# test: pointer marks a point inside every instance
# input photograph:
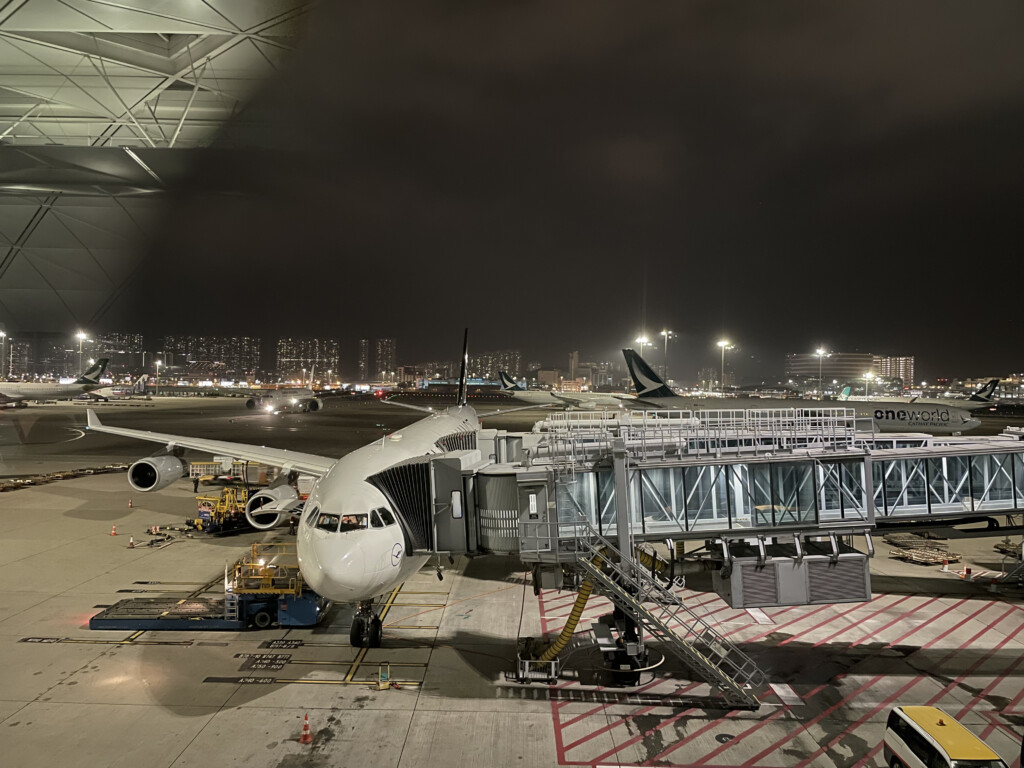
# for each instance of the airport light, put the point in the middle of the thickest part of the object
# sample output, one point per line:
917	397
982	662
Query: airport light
641	340
157	388
3	340
81	337
724	345
668	335
867	383
821	352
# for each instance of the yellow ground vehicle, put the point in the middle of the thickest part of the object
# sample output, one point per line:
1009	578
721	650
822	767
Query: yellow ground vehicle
928	737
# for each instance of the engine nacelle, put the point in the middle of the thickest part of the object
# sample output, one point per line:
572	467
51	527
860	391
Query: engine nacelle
315	405
155	472
251	403
271	506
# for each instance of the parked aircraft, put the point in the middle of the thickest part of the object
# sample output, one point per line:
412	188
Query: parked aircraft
981	399
582	400
652	392
354	542
15	393
138	389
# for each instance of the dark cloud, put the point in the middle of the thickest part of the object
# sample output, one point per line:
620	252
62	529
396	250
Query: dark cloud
787	174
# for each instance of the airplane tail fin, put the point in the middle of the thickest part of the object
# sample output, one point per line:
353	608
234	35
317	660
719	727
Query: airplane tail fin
985	393
508	384
92	376
139	387
463	389
647	382
845	394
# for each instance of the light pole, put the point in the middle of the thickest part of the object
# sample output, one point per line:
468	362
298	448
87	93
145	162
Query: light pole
3	340
668	335
156	393
81	337
821	352
641	340
867	383
724	345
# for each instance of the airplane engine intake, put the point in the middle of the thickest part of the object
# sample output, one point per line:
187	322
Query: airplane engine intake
251	403
155	472
315	404
271	507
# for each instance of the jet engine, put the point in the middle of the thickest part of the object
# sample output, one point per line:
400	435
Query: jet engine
155	472
251	403
271	506
314	405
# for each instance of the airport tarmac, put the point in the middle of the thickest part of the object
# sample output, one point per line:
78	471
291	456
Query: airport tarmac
71	696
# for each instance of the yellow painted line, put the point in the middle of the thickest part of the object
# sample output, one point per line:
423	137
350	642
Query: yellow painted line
127	642
409	626
418	605
134	635
362	651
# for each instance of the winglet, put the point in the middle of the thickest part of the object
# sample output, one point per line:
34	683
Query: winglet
93	420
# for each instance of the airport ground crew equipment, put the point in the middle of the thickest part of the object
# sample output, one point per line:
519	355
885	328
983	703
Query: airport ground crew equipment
262	589
221	512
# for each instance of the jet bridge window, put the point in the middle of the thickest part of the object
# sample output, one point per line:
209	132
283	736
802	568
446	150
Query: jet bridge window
352	523
327	522
381	518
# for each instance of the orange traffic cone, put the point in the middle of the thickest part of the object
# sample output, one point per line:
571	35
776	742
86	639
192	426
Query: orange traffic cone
113	530
306	737
131	542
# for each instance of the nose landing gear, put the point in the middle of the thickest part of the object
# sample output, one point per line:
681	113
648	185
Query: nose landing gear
367	627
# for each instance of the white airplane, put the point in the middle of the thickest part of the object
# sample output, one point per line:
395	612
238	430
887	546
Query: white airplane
137	389
587	401
978	400
353	542
15	393
652	392
276	401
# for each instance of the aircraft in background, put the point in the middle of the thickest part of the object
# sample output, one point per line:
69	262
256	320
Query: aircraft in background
276	401
15	393
355	541
652	392
587	401
138	389
982	398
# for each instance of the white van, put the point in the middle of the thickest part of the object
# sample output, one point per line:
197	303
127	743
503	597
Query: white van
928	737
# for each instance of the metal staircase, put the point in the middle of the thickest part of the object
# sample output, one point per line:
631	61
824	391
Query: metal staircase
679	630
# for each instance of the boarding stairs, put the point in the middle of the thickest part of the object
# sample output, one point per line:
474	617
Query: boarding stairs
663	615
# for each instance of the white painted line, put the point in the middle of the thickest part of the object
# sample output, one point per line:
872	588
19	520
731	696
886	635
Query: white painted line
759	616
786	694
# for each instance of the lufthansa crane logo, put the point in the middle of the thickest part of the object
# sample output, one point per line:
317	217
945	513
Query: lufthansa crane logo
396	554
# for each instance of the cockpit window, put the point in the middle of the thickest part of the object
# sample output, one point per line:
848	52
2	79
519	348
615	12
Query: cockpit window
327	522
353	522
309	515
382	517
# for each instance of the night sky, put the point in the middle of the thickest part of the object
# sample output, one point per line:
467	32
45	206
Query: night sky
558	176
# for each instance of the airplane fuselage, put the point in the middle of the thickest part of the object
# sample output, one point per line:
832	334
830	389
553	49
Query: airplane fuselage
356	565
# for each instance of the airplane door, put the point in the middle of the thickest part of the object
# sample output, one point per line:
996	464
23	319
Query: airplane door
537	528
451	506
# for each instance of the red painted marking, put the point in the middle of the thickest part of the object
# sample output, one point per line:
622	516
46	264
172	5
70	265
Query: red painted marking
833	618
950	686
869	616
1004	674
639	737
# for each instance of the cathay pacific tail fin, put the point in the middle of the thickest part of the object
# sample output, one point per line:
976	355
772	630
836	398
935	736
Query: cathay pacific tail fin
92	376
648	383
508	384
986	392
463	389
845	394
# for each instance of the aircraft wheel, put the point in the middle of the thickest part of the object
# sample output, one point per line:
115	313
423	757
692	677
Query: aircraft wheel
357	633
374	633
261	619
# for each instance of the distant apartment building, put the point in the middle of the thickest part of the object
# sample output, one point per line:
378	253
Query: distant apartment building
486	365
893	368
297	358
123	350
364	360
236	356
840	367
384	362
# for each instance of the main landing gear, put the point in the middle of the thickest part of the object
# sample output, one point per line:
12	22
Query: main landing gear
366	627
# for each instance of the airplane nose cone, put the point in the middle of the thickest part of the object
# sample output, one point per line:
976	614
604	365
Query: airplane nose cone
334	567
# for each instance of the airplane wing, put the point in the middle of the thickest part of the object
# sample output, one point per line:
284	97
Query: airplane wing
302	462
